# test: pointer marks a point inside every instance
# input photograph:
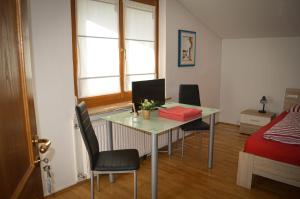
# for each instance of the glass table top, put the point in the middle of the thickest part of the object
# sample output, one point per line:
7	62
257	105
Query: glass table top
156	124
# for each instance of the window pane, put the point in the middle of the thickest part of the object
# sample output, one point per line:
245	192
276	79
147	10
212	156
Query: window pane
139	21
98	47
133	78
97	18
140	57
139	42
98	86
98	57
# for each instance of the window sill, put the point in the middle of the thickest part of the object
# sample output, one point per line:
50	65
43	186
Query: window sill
112	107
109	108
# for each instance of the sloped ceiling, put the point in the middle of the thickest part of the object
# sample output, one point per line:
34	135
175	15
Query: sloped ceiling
248	18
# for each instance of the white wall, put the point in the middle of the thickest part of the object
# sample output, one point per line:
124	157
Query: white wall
53	75
252	68
206	72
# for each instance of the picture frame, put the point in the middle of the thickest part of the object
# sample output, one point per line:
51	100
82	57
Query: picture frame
186	48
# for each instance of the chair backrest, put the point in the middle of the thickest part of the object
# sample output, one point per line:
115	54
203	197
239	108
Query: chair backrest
189	94
88	133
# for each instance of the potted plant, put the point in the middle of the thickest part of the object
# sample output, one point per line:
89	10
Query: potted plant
146	107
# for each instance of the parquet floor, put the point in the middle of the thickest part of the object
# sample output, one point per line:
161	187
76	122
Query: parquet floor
189	177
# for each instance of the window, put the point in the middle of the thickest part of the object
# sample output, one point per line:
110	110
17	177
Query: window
114	43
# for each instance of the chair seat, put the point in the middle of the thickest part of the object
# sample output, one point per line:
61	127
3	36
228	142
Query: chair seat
118	160
195	125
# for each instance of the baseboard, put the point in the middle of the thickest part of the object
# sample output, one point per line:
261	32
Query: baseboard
66	189
229	124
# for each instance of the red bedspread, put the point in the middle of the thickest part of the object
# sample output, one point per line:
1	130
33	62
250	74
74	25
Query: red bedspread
257	145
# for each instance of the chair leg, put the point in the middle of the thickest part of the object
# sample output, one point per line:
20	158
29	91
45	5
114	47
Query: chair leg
182	143
92	185
135	184
98	184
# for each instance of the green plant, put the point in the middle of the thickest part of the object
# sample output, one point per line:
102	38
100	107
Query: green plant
148	105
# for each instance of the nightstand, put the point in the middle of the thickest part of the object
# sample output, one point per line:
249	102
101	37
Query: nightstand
251	120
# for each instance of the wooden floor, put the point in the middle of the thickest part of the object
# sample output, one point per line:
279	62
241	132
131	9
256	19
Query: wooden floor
189	177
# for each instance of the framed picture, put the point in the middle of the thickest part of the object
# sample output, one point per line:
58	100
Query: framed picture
186	48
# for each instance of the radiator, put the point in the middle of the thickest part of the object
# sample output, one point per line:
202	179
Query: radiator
123	138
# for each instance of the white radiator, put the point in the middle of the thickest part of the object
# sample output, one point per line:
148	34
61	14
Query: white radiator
123	138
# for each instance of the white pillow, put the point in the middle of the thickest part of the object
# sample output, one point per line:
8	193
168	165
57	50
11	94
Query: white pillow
295	108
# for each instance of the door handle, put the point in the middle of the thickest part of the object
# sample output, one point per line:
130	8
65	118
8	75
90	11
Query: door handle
44	144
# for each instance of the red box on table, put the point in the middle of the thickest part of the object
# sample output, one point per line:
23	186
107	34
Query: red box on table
180	113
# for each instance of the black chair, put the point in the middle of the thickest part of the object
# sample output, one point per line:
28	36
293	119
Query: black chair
189	94
105	162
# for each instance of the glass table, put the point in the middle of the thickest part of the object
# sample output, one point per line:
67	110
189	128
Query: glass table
156	126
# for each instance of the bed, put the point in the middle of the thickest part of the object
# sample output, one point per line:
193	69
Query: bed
271	159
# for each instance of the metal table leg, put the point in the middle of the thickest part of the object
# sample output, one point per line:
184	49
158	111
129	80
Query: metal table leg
211	141
154	154
170	143
110	146
177	134
92	185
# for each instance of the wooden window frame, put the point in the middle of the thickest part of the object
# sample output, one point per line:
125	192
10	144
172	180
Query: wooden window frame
123	95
